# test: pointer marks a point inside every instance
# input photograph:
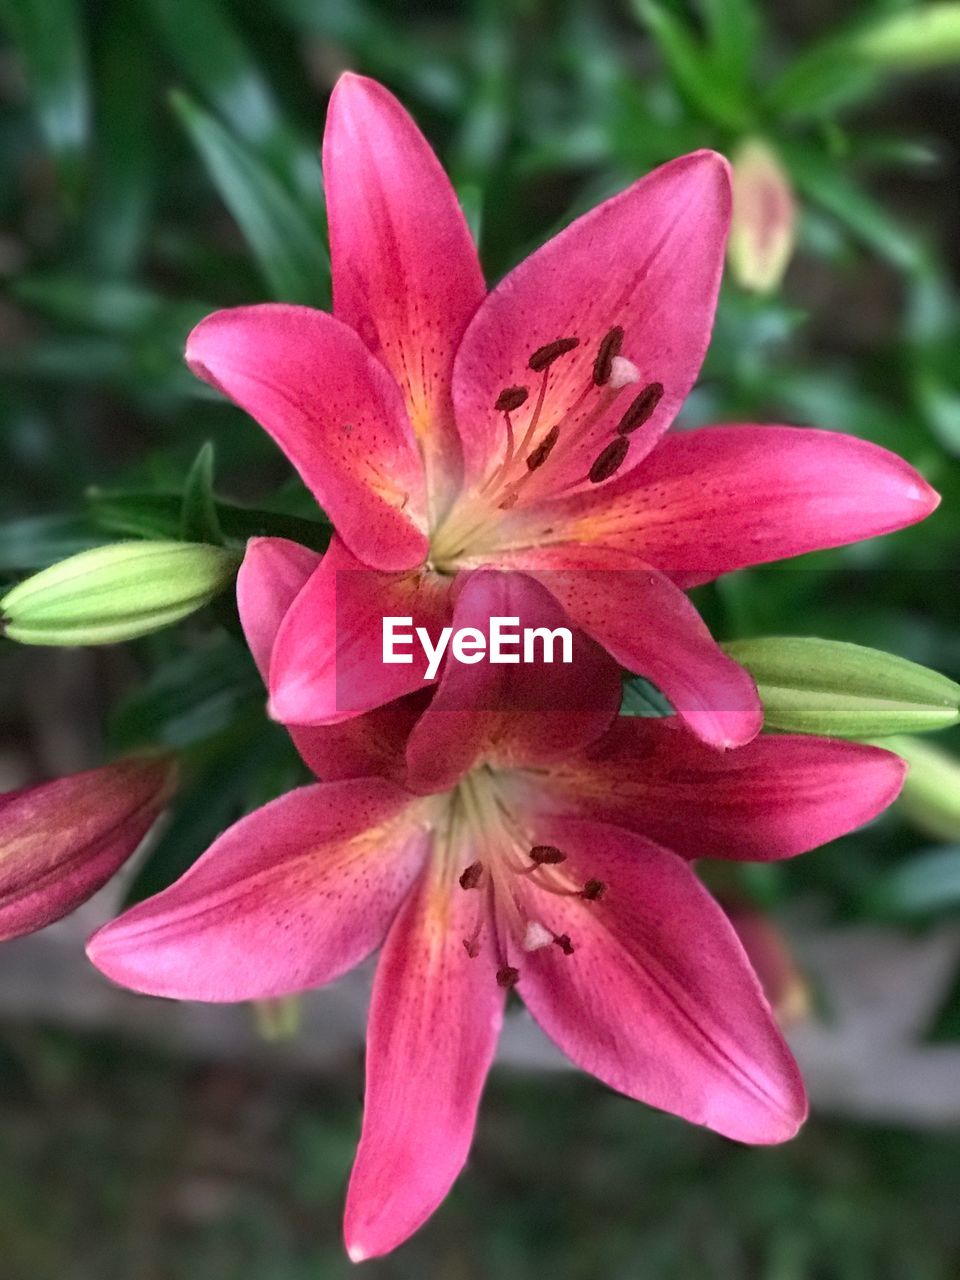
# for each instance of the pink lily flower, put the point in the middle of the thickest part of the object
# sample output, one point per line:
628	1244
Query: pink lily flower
562	870
61	841
445	428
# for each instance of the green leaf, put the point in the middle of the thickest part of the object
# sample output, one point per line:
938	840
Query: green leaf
823	181
848	67
691	67
734	29
189	700
204	42
946	1023
920	36
641	698
211	798
198	516
287	246
390	41
157	515
821	82
927	884
111	331
50	42
125	154
38	541
109	306
208	49
809	685
141	515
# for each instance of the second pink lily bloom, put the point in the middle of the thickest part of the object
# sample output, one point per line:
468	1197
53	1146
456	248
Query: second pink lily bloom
515	848
444	428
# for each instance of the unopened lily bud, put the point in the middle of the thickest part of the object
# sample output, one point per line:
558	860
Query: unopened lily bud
768	950
844	690
278	1018
115	593
924	36
61	841
930	798
762	228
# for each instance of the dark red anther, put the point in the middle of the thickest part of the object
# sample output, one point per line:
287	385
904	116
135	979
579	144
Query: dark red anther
544	356
511	398
538	456
562	940
593	890
546	855
471	876
610	459
641	408
507	976
609	348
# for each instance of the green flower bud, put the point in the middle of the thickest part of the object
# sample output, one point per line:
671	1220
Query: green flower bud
915	37
115	593
844	690
930	798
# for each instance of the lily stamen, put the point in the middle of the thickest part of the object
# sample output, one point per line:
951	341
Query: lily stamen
472	876
641	409
608	350
609	461
547	854
542	452
500	491
511	398
539	936
544	356
507	913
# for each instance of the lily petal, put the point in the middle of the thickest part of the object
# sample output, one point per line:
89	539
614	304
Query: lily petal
658	999
649	625
649	260
709	501
434	1022
333	410
61	841
365	746
773	798
289	897
406	275
327	662
272	574
518	711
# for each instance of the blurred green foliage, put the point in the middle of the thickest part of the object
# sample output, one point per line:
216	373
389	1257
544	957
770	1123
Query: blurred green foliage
160	158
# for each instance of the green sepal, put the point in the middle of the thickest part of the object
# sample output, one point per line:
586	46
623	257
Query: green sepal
199	521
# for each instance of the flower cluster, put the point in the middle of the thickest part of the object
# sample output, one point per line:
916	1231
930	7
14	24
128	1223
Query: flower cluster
502	828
